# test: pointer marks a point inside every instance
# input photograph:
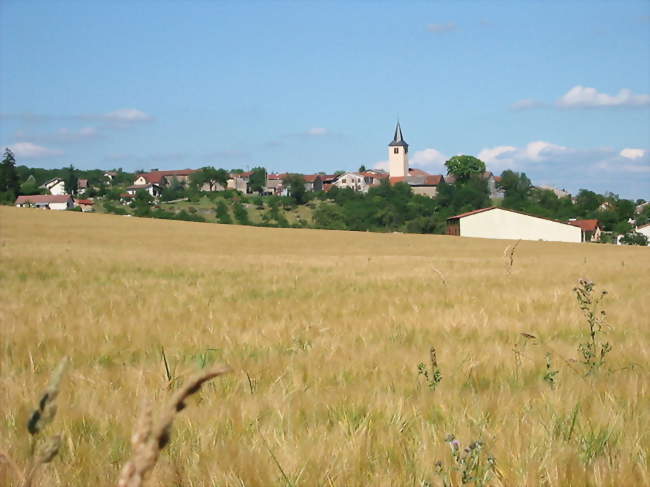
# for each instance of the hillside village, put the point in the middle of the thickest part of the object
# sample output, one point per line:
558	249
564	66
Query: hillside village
467	201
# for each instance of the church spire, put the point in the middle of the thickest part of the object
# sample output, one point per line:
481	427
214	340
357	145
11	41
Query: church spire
398	138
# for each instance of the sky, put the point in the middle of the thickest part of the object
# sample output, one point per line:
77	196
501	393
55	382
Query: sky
559	90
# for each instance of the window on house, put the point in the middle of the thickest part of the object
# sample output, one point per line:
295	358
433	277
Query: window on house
395	150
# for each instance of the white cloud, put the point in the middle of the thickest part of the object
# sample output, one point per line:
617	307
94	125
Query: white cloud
429	159
28	149
584	97
127	115
633	153
317	131
498	157
540	150
441	28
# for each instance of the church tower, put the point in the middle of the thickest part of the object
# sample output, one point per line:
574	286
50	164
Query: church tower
398	155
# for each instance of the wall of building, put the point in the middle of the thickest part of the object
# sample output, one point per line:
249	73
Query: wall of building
61	206
58	188
398	163
430	191
498	223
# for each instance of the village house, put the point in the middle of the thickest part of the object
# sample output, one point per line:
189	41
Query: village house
494	222
591	229
239	181
313	182
153	189
46	201
82	185
164	178
560	193
54	186
352	180
86	205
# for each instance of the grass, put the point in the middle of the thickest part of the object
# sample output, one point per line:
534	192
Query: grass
324	331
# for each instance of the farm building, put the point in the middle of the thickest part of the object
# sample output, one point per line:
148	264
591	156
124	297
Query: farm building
591	229
46	201
494	222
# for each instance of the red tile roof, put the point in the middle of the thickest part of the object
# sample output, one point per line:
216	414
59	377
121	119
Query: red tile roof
417	172
85	202
44	198
433	180
157	176
310	178
396	179
585	225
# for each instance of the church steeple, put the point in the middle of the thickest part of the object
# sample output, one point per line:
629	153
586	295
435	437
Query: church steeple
398	139
398	155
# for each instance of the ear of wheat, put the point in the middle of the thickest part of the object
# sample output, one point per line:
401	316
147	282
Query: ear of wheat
150	437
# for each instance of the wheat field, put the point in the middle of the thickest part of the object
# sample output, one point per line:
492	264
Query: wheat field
324	332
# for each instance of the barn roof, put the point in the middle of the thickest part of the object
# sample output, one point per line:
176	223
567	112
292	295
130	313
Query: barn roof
482	210
44	198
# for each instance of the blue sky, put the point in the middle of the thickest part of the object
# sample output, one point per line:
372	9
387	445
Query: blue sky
559	90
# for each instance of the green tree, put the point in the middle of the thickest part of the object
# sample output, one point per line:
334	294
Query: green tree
463	167
634	238
516	189
70	179
223	215
241	215
210	176
295	183
9	183
30	186
587	202
362	168
142	203
330	216
257	180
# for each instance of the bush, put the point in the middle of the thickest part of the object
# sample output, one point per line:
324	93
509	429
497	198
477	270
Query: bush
223	215
241	215
116	210
188	217
634	238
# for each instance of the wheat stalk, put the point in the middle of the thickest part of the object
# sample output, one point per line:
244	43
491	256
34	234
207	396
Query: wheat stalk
151	437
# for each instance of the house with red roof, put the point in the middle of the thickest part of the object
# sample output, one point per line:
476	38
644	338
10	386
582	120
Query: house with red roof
46	201
164	178
86	205
502	223
591	229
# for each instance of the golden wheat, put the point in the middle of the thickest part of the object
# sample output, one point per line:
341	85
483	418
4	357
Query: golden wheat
324	332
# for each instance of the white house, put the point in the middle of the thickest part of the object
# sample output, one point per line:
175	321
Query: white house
54	186
496	222
153	189
352	180
46	201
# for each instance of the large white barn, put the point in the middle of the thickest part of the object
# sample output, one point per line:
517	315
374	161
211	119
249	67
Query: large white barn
497	222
